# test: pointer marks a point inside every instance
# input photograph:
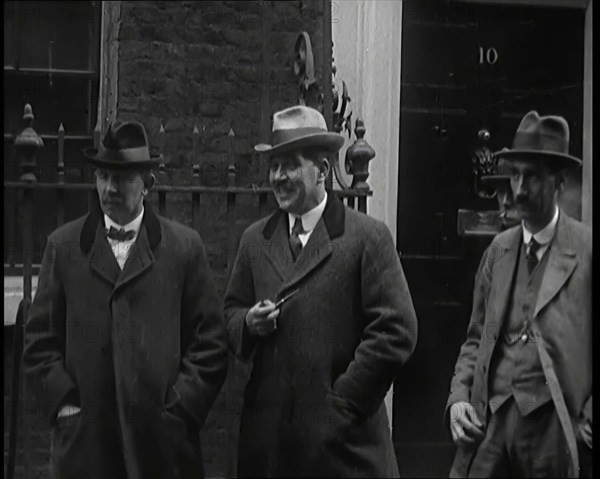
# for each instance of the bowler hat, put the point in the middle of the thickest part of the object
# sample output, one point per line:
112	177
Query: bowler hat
542	138
125	145
300	127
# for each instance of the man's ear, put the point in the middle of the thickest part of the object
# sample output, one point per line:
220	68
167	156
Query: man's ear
561	180
324	169
149	184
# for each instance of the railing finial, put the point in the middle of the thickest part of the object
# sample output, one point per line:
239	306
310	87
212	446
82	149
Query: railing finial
161	147
28	114
358	156
27	143
61	153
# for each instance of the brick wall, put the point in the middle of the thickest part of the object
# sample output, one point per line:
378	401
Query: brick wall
219	66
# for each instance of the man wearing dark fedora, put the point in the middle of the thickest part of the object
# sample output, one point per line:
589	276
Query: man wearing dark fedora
520	401
125	342
319	309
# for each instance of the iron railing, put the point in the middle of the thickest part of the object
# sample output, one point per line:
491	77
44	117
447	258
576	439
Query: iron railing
234	195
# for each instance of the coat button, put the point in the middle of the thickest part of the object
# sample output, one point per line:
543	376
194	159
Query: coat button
524	337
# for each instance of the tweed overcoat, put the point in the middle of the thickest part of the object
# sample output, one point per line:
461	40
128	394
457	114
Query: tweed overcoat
126	344
563	329
314	400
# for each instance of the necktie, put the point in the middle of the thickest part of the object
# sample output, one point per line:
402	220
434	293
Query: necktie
120	234
295	243
532	260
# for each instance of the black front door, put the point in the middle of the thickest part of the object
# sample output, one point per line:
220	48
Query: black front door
465	67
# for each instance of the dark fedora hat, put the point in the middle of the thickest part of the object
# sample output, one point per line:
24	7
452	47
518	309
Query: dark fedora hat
125	145
300	127
543	138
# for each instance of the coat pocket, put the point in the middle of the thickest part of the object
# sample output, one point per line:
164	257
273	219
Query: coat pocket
341	407
340	419
173	429
462	461
65	430
67	461
181	451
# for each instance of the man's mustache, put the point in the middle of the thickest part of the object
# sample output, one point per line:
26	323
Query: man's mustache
281	184
520	200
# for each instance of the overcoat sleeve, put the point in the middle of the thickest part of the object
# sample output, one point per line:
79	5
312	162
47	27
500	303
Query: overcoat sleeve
587	411
390	325
45	333
204	363
462	380
239	298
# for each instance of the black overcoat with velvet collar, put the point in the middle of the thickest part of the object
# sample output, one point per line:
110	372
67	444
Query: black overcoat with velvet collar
123	344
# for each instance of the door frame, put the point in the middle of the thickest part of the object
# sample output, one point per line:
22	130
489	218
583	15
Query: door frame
586	96
586	187
374	83
364	34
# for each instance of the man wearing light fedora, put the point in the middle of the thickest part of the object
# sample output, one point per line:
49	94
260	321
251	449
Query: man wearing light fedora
520	401
319	308
125	342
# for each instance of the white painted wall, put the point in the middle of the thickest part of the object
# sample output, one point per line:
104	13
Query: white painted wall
366	48
587	193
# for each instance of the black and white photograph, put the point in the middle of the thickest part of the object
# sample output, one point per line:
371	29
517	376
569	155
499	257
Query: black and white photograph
298	238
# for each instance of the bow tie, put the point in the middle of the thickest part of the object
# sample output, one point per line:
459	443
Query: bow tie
120	235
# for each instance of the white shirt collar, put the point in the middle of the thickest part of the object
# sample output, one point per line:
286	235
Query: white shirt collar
131	226
310	218
544	236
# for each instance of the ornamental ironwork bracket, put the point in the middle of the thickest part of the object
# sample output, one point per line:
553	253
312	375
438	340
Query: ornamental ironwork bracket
304	69
360	153
483	163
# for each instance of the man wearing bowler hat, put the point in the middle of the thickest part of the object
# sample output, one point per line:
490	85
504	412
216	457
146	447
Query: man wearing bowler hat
520	403
319	308
125	344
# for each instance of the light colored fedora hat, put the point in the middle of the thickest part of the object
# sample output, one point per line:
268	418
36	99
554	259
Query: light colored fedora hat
300	127
543	138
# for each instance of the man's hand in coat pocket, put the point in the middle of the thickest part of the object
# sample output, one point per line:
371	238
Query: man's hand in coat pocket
67	416
68	410
585	432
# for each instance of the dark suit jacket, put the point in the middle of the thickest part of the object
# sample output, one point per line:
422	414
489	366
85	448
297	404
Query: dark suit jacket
563	322
314	400
123	344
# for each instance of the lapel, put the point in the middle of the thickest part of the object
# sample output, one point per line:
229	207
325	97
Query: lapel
561	263
94	244
101	257
140	258
275	244
507	249
316	251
